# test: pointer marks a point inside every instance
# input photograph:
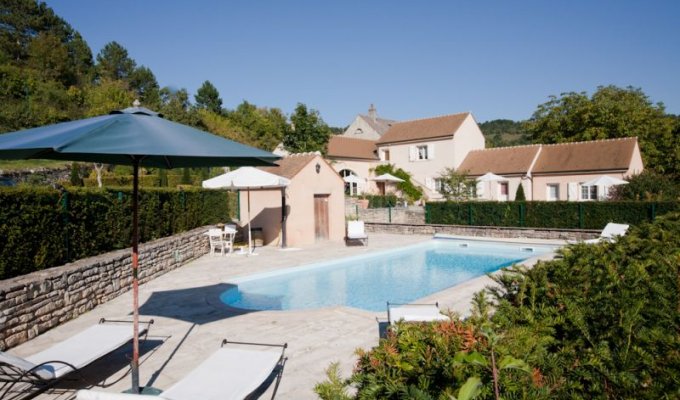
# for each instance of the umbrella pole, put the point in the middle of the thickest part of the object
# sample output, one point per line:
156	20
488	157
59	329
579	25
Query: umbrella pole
134	364
250	239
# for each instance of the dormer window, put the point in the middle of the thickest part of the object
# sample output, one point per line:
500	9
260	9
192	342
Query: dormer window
359	131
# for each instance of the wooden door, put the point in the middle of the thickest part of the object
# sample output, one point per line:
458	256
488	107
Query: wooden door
321	216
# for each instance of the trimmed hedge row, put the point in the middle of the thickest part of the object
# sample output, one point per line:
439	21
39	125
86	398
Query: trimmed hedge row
42	228
542	214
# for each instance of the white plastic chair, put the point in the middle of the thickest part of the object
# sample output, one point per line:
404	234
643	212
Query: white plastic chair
355	231
414	313
216	241
228	236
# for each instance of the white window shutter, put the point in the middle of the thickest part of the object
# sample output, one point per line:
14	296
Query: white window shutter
382	155
480	189
430	151
572	191
412	153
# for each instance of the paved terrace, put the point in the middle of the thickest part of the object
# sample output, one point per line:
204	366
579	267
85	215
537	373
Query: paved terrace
190	322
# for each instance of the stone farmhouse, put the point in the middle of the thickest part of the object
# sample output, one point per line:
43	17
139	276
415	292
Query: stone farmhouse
425	147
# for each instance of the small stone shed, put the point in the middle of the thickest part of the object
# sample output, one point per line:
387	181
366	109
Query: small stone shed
315	203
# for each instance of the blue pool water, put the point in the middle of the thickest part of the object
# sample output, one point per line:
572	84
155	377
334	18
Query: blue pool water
367	282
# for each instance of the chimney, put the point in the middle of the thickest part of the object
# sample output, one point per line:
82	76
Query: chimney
372	113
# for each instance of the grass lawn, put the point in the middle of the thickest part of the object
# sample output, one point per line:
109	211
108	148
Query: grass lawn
12	165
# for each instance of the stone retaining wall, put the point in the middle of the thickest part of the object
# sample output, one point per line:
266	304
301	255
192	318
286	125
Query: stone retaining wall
396	215
33	303
488	231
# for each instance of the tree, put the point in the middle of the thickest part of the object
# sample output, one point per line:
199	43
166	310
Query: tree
263	127
114	63
162	177
208	98
175	106
107	96
519	195
648	185
308	132
75	178
504	132
186	177
611	112
143	83
456	186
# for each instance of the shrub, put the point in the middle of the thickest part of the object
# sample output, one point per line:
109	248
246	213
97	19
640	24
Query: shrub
602	321
648	185
519	195
378	201
42	228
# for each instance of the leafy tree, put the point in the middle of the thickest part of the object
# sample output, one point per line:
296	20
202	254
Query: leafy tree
48	56
208	97
504	132
456	186
175	106
308	132
107	96
611	112
408	188
143	83
648	185
114	63
264	127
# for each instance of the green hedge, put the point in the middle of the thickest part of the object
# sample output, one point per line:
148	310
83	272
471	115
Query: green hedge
542	214
126	180
42	228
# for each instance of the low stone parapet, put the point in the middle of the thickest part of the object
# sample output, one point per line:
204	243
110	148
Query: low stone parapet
33	303
482	231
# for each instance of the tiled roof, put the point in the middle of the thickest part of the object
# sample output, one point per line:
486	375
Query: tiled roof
500	160
380	125
596	155
289	166
344	147
426	128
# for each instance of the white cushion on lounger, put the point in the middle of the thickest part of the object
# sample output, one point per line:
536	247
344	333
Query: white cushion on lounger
93	395
416	313
610	232
81	349
230	373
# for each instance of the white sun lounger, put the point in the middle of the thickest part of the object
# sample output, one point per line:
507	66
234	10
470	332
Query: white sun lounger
610	232
414	313
44	369
229	373
355	231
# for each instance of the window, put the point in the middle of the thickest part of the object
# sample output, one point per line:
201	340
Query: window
438	184
359	131
553	191
422	152
504	188
386	155
588	192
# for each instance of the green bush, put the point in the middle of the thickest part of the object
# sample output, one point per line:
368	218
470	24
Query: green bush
43	228
544	214
603	320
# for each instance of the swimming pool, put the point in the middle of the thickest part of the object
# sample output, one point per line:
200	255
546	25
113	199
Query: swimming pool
368	281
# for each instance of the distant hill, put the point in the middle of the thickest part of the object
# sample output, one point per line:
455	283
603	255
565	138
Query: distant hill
504	132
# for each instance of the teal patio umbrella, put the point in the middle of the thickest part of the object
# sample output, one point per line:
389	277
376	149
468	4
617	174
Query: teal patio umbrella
138	137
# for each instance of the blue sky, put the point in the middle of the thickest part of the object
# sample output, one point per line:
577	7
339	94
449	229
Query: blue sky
412	59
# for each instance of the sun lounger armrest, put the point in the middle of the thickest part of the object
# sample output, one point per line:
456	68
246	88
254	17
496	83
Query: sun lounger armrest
95	395
283	346
143	331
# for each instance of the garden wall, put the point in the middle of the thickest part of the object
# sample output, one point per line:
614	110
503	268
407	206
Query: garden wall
33	303
487	231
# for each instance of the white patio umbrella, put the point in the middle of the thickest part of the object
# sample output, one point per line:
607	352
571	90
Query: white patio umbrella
387	178
250	178
605	180
488	178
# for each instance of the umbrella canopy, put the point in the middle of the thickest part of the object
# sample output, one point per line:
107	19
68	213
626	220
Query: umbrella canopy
352	179
246	178
491	177
251	178
135	136
387	178
605	180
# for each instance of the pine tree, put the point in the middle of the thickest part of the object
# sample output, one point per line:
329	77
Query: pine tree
519	195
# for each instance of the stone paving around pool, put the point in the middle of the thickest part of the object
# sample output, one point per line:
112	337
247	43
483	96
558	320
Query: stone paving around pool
190	322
